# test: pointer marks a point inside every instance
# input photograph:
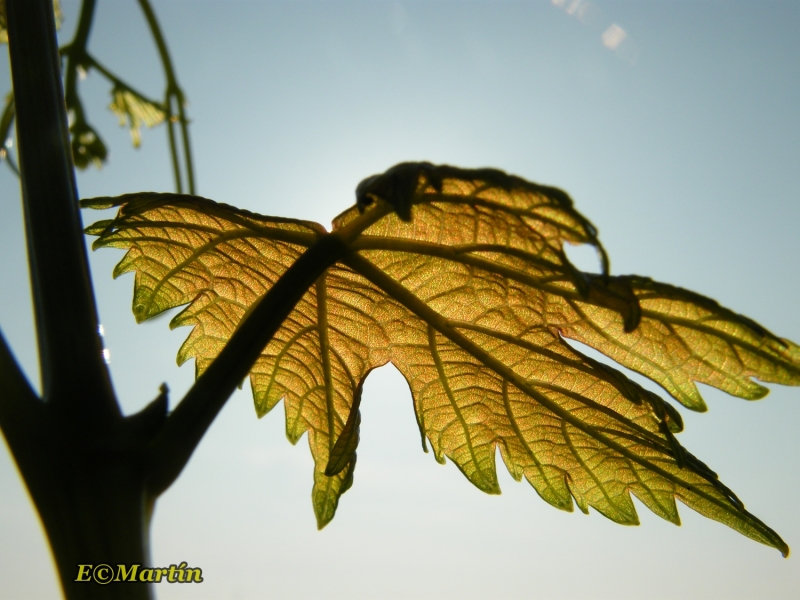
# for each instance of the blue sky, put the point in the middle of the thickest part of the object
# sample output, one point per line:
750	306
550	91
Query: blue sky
682	144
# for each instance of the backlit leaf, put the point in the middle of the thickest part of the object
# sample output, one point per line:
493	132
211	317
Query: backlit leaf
464	286
135	111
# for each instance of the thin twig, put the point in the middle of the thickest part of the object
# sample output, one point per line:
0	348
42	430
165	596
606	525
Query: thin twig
6	157
15	391
6	123
173	93
92	62
173	146
75	52
187	147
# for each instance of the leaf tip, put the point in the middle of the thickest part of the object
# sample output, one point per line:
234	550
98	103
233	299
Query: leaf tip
97	229
139	312
779	544
100	202
322	522
756	391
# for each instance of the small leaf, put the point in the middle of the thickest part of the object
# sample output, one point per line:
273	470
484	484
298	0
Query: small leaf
135	111
87	147
458	277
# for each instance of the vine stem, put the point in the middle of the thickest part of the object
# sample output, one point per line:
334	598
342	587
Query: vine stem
70	349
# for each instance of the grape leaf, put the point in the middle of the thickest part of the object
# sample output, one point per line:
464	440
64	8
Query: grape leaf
458	278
